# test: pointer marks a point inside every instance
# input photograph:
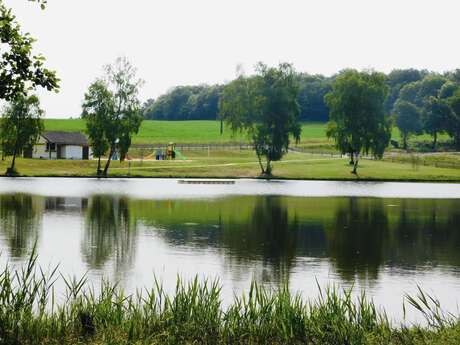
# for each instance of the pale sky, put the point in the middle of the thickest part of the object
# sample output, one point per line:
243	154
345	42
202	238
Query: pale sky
181	42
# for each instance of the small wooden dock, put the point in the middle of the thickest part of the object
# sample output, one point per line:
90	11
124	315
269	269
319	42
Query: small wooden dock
206	182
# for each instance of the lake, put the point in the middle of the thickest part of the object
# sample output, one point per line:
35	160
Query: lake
385	238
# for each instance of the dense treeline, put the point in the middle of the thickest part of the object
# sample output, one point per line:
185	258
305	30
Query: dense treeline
201	102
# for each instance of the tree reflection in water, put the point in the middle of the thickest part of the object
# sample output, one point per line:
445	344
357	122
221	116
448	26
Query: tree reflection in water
20	218
359	236
268	236
110	233
356	237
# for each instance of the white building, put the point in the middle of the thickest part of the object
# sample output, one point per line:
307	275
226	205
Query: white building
61	145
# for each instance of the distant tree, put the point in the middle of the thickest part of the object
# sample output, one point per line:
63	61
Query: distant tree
396	80
20	127
408	120
265	107
98	107
435	117
453	122
357	119
126	118
312	89
20	70
198	102
448	89
420	91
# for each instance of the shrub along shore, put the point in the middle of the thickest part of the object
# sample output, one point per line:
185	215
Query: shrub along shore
194	314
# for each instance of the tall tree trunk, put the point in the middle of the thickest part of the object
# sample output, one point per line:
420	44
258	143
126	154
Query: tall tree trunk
352	160
221	126
268	170
99	166
435	140
355	164
260	164
106	168
14	159
405	141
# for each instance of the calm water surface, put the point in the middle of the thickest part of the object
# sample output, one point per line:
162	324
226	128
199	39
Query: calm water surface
386	238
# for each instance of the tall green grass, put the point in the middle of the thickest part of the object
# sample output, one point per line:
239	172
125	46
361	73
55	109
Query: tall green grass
193	314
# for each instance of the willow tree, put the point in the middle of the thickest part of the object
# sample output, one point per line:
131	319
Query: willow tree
264	106
112	111
357	119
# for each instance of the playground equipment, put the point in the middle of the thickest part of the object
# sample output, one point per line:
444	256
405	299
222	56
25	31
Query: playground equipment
170	153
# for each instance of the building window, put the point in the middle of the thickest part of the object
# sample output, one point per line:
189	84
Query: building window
51	147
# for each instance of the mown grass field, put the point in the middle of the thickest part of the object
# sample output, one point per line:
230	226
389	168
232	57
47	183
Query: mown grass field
183	131
239	164
153	131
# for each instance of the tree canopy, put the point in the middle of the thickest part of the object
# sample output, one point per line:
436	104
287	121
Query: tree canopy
20	126
408	119
20	70
357	119
265	107
112	110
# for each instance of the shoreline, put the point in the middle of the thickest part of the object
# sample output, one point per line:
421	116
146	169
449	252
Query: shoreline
230	177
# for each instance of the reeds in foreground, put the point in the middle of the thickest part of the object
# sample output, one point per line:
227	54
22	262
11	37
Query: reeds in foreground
194	315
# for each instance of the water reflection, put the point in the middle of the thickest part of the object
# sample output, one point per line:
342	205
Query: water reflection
357	236
20	217
269	236
110	233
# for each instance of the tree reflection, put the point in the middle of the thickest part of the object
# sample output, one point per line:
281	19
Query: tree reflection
269	235
110	233
20	219
356	238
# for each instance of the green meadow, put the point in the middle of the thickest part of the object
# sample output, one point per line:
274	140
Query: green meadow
153	131
208	132
242	164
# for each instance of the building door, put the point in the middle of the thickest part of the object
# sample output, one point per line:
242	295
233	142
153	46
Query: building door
85	152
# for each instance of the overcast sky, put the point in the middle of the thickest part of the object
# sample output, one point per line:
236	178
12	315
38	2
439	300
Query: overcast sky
179	42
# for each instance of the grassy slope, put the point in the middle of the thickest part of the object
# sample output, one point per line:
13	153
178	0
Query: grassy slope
242	164
200	131
183	131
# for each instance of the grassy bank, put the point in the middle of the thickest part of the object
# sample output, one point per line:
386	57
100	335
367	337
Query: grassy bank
194	314
243	164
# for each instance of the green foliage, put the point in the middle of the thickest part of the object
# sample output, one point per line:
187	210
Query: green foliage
408	119
265	107
20	70
453	122
358	122
112	110
185	103
20	126
420	91
97	108
396	80
312	89
436	116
